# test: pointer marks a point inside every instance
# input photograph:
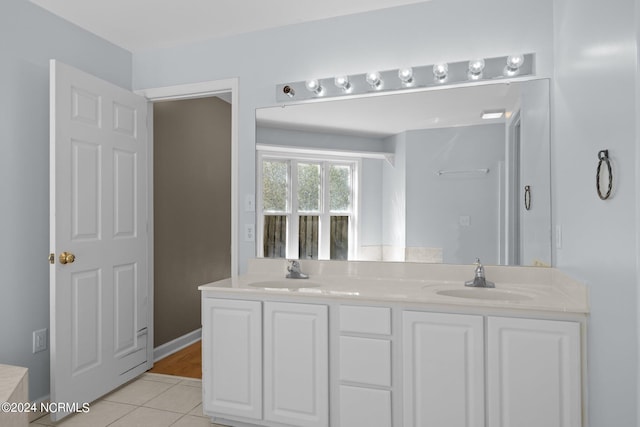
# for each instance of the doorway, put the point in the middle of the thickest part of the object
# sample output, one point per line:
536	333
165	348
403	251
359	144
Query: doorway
192	214
199	92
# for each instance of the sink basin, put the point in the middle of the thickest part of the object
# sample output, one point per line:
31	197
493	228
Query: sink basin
485	294
285	284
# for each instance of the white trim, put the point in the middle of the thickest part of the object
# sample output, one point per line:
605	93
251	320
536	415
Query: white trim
201	90
389	157
173	346
150	238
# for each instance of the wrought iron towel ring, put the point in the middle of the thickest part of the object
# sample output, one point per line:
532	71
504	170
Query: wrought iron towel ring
603	157
527	197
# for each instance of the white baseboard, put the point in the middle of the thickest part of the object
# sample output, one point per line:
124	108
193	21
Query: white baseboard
177	344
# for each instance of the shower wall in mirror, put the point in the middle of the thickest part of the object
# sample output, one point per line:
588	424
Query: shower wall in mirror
432	176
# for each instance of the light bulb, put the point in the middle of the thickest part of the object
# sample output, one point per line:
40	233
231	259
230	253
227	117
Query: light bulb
476	67
406	75
342	82
374	79
440	72
514	62
314	86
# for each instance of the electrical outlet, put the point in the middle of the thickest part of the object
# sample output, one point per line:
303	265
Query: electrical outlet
249	233
39	340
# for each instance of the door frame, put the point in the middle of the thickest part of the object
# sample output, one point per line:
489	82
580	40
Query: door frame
190	91
203	90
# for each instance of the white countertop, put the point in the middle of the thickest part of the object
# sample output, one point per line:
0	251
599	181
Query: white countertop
521	288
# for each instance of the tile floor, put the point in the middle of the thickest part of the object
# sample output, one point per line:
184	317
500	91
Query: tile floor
153	400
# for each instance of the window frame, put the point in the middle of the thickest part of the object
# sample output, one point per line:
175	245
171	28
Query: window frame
292	213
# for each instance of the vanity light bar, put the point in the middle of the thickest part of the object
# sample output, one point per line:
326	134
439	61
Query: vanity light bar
441	74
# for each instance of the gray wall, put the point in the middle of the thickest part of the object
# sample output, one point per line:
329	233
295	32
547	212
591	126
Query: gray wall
595	107
192	209
30	37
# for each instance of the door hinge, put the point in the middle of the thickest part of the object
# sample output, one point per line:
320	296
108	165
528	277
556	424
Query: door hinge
52	258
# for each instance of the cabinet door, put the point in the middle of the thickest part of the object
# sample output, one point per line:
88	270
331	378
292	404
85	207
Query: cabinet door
296	373
443	369
232	357
533	373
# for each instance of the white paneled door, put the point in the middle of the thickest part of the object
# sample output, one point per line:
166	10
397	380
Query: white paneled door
99	290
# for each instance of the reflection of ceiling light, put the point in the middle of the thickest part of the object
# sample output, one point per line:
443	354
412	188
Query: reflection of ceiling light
314	86
440	72
342	82
476	67
406	75
374	79
489	115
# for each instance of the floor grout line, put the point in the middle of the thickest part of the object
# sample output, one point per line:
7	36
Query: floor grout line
147	377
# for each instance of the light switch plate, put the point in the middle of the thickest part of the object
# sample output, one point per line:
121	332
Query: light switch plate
39	340
249	203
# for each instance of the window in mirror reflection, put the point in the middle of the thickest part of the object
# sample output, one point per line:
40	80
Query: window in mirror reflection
274	185
307	207
308	187
275	236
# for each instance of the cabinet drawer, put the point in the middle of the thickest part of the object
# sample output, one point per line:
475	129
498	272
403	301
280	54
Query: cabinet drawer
365	360
364	407
365	320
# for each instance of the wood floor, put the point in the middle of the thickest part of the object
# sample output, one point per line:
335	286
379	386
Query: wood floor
184	363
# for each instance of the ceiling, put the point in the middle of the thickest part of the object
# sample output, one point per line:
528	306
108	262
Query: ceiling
382	116
148	24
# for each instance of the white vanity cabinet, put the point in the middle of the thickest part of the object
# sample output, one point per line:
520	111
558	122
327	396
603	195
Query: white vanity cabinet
232	357
394	345
533	373
532	377
443	369
296	364
266	363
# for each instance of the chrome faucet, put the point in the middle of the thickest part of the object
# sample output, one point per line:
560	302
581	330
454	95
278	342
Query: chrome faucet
294	270
479	281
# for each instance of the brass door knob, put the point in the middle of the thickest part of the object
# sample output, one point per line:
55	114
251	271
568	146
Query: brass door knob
67	258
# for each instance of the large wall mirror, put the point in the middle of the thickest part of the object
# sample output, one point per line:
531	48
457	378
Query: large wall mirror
441	176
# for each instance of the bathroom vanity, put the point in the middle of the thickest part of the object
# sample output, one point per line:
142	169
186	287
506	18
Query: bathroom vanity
394	344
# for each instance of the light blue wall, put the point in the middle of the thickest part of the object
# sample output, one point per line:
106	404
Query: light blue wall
419	34
594	66
595	89
325	140
30	37
595	107
434	203
394	197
